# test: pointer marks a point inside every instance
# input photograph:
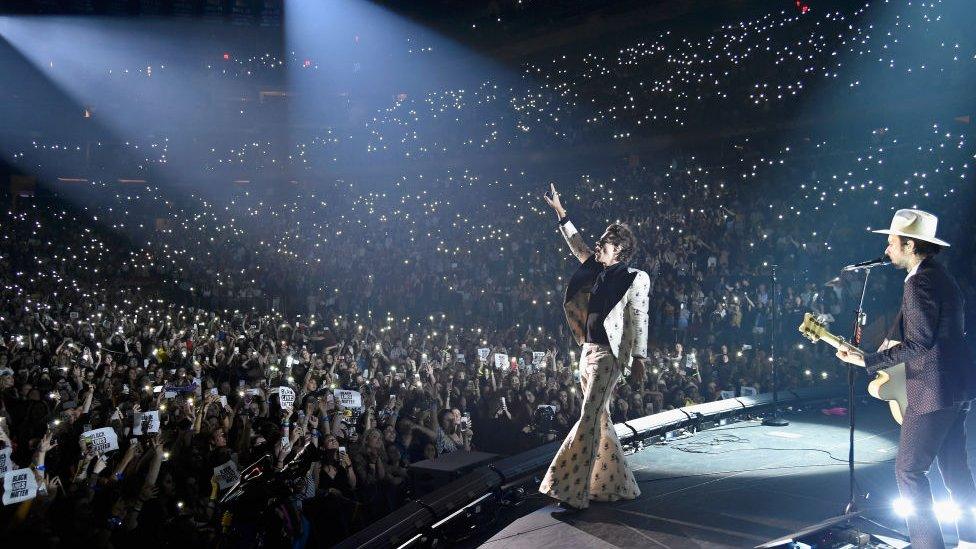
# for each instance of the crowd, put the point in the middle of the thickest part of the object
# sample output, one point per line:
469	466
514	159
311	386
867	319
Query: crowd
155	343
192	397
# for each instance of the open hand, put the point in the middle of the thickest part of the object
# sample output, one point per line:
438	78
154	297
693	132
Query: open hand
48	442
148	492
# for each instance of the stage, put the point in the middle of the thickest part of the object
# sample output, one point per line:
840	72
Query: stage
739	485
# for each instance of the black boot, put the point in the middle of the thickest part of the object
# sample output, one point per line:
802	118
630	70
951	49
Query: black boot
569	508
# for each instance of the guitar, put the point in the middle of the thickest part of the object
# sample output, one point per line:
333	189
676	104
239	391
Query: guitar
888	384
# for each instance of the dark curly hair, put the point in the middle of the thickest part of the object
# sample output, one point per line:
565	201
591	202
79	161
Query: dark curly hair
922	247
621	235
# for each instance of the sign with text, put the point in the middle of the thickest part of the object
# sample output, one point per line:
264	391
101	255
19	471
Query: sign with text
151	421
501	361
286	396
5	463
19	485
349	399
537	357
226	474
483	353
147	422
100	440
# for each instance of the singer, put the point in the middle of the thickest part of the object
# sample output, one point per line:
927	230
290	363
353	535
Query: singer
606	308
939	378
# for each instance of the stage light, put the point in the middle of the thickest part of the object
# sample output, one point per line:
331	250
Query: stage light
947	511
903	507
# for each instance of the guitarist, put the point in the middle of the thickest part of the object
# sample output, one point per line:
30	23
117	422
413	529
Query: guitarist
939	379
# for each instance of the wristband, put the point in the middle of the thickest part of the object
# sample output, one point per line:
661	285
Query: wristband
40	467
119	476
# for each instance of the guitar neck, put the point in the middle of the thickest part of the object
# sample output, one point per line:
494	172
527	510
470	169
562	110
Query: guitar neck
834	341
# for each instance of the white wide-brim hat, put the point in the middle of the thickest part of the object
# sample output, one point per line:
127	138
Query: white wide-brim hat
915	224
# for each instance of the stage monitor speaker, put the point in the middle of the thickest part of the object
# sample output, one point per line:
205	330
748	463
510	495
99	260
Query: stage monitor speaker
444	501
538	458
431	474
392	530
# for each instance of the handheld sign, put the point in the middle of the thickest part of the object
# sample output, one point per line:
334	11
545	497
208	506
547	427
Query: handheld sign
349	399
286	396
226	474
5	463
537	358
501	360
147	422
151	420
19	485
100	440
483	353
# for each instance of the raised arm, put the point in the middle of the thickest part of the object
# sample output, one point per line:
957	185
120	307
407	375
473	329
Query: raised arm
566	227
642	286
575	241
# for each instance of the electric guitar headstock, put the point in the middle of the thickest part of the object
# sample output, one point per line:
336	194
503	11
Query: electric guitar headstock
815	329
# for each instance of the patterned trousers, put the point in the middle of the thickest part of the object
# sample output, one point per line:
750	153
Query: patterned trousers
590	464
924	437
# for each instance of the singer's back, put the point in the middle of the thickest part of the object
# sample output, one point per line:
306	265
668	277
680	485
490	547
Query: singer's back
952	325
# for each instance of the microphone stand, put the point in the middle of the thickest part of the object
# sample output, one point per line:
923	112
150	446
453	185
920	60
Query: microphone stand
851	512
774	420
857	331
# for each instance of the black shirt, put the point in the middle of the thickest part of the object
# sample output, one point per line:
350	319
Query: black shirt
607	286
602	301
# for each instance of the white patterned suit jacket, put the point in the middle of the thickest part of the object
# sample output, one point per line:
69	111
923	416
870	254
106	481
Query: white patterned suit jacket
626	324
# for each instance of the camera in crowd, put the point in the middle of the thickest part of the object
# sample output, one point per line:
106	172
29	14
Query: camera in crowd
544	419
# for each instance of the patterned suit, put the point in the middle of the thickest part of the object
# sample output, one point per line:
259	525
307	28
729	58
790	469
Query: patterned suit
590	464
940	382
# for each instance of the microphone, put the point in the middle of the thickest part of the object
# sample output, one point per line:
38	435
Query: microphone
877	262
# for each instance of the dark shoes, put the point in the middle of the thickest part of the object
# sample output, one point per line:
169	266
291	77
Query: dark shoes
568	509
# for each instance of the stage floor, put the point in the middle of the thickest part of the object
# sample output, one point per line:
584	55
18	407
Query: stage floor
734	486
